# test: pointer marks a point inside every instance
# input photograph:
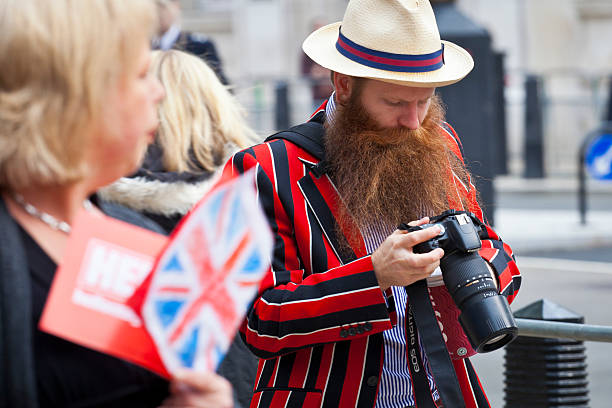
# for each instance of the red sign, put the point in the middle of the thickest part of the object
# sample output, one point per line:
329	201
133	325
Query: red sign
106	261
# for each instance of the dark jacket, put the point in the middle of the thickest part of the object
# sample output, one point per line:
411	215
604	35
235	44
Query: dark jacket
202	46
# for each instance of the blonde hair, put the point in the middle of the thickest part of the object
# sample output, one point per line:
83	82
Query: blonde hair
200	120
57	60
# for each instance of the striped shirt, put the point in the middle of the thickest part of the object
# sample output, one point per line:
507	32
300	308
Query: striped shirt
395	388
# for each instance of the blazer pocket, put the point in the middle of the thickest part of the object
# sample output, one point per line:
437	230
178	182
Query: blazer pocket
288	397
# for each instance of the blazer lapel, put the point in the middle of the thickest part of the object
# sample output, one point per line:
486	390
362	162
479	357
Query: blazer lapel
323	199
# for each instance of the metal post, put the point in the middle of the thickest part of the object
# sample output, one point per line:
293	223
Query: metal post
281	112
608	117
534	139
545	372
499	111
605	127
582	203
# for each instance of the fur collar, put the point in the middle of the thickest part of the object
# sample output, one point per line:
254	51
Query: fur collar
155	196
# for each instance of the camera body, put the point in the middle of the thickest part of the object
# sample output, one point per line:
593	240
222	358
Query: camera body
459	234
485	315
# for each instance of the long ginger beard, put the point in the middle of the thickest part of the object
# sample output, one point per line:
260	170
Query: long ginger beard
388	176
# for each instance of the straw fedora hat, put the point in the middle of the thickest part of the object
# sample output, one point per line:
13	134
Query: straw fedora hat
394	41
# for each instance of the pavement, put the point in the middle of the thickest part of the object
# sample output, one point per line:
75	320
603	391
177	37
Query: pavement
535	215
562	260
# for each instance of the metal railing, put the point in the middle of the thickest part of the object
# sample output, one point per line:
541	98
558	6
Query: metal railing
575	331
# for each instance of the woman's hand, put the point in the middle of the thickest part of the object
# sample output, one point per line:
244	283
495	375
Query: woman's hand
191	389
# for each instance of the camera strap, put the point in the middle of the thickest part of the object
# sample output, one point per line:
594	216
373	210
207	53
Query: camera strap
442	369
420	385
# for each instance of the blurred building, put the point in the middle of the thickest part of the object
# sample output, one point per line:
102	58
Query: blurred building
564	42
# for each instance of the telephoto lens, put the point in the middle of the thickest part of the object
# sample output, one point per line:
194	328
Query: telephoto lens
485	316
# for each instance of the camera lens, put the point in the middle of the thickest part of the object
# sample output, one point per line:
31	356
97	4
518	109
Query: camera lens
485	315
488	323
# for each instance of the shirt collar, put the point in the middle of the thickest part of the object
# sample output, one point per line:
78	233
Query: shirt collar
169	38
330	108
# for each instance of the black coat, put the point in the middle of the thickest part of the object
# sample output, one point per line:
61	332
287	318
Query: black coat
202	46
18	386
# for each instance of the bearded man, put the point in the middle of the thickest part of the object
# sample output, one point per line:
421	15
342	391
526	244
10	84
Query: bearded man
332	323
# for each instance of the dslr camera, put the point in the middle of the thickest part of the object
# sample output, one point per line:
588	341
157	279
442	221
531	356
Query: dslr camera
485	315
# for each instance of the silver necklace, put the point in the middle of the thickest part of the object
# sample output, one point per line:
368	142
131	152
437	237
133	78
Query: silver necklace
47	218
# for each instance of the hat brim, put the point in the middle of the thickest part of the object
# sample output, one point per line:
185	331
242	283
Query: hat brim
320	46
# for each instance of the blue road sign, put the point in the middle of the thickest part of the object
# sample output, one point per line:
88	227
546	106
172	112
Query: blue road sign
599	157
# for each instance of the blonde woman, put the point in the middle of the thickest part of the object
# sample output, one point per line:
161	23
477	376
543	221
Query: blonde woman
77	111
201	125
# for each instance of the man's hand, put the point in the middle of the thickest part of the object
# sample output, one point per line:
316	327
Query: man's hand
191	389
395	264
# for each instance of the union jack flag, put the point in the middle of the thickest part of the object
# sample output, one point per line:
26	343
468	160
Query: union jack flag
206	277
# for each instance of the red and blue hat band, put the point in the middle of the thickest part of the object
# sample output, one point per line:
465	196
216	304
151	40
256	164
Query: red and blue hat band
388	61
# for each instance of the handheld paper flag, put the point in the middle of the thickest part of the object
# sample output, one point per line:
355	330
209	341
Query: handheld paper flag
205	279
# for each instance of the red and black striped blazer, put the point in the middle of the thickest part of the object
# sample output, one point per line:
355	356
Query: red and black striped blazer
318	319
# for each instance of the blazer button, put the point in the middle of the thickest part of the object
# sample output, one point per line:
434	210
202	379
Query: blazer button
343	333
352	331
360	329
372	381
367	326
